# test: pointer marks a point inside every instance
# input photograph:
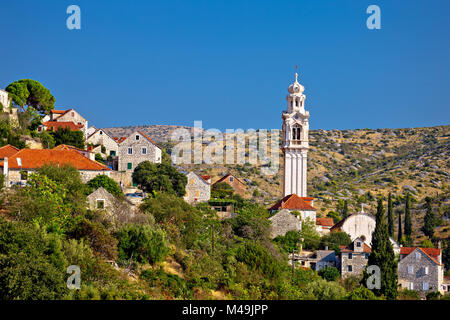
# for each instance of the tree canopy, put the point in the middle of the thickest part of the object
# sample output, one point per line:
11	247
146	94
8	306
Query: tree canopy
27	93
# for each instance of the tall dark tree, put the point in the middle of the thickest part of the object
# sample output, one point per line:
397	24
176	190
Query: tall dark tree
400	233
408	225
383	256
429	223
345	210
31	93
390	216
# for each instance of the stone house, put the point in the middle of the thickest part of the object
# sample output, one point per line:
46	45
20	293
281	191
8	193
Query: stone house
421	269
237	185
65	116
317	260
100	138
323	225
360	225
86	153
354	258
282	222
198	189
292	202
100	199
18	167
135	149
7	111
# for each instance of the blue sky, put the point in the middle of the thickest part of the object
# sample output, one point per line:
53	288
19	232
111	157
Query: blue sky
229	63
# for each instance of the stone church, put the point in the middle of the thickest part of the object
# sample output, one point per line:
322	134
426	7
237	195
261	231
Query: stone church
295	148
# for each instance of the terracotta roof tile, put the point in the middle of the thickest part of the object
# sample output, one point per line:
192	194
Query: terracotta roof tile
8	151
36	158
326	222
293	202
226	176
432	253
63	124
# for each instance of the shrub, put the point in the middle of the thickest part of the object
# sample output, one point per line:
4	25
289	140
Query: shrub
289	241
407	294
362	293
106	182
324	290
329	273
142	243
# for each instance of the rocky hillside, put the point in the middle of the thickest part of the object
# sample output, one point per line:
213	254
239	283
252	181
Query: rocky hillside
353	165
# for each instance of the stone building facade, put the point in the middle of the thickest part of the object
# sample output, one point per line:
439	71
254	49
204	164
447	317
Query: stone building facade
198	189
100	199
316	260
354	258
101	138
421	269
135	149
68	116
302	205
282	222
238	186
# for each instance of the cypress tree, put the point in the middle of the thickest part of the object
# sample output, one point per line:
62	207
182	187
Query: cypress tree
345	210
390	217
428	227
383	256
400	234
408	225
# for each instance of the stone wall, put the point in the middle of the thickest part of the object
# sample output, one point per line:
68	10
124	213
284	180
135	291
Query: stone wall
101	138
153	152
358	262
197	189
282	222
100	195
122	178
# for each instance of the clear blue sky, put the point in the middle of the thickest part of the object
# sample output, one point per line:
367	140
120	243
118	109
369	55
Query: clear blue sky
230	62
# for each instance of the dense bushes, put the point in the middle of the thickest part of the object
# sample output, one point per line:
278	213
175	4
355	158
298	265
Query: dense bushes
142	243
106	182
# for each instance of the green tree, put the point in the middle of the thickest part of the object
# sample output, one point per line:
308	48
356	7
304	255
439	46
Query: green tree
142	243
106	182
329	273
311	239
32	263
399	233
408	224
324	290
289	241
334	240
69	137
429	220
27	93
383	256
335	216
390	216
160	177
362	293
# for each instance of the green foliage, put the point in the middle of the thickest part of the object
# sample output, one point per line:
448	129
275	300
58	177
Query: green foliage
408	224
142	243
362	293
66	136
429	220
221	190
334	240
98	237
390	216
289	241
383	256
251	222
259	259
335	216
400	233
324	290
31	93
311	239
426	244
47	140
106	182
329	273
407	294
99	158
160	177
173	284
32	264
11	136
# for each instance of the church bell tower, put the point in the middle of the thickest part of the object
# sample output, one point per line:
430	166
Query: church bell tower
295	141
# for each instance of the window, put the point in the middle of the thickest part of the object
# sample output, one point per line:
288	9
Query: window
23	175
349	268
197	193
192	181
112	153
367	256
350	256
426	270
144	150
231	179
130	150
418	255
411	286
296	130
101	132
73	114
137	137
425	286
358	244
129	166
410	269
100	204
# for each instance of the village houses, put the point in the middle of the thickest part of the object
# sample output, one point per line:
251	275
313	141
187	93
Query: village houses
103	143
237	185
198	188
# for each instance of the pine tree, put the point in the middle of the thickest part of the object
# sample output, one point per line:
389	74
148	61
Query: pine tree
428	227
400	234
383	256
345	210
408	225
390	217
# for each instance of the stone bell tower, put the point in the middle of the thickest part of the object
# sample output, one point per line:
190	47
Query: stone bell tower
295	141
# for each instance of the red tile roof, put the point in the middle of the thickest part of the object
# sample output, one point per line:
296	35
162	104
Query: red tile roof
58	111
432	253
326	222
206	178
119	140
226	176
293	202
8	151
63	124
36	158
350	248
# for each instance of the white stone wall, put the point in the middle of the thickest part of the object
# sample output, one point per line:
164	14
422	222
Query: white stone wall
153	152
86	175
5	100
197	189
100	137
